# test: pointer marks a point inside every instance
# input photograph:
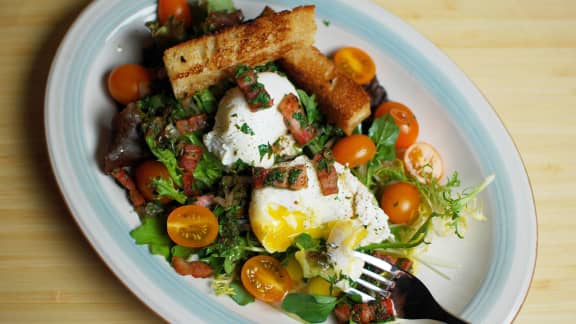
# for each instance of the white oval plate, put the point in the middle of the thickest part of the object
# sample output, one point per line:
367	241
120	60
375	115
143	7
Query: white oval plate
493	264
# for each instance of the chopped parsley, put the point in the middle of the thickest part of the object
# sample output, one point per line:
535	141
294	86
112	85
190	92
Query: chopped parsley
293	175
300	118
245	129
275	175
265	149
325	161
326	22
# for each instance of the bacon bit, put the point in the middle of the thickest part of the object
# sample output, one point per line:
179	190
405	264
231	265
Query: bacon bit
204	200
192	124
363	313
386	309
293	178
188	161
295	119
254	92
326	172
126	181
196	269
342	313
402	263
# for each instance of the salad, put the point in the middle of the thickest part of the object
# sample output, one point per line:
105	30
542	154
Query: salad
258	162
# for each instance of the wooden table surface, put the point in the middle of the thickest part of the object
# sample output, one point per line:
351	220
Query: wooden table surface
521	54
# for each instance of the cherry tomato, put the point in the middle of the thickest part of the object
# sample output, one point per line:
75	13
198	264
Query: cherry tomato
400	202
145	173
192	226
354	150
128	83
265	278
356	64
404	119
177	8
423	162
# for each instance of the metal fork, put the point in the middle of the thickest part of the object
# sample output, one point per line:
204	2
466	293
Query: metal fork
411	298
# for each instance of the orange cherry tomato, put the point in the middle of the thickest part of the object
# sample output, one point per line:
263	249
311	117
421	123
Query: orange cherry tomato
354	150
400	202
356	64
423	162
265	278
192	226
177	8
145	173
128	83
404	119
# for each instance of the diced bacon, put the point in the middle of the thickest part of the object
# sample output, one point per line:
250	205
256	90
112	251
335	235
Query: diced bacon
196	269
293	178
386	309
188	161
204	200
188	184
342	313
192	124
254	92
190	157
402	263
126	181
364	312
327	176
295	117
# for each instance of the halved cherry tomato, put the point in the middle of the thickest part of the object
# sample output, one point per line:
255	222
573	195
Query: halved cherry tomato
354	150
128	83
265	278
177	8
423	162
400	202
145	173
356	64
192	226
404	119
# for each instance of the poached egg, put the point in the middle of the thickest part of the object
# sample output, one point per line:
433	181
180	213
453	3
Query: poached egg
241	134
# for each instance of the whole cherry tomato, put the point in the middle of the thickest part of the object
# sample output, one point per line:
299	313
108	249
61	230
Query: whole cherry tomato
354	150
400	201
404	118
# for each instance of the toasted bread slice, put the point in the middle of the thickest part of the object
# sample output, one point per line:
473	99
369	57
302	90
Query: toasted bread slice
202	62
343	101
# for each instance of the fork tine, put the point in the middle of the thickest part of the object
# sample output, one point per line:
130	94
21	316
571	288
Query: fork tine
372	287
365	297
381	264
389	283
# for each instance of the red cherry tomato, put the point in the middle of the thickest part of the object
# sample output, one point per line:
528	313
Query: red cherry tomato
404	119
265	278
145	173
354	150
177	8
400	201
128	83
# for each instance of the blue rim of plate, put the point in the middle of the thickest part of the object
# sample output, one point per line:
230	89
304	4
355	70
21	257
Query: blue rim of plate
360	20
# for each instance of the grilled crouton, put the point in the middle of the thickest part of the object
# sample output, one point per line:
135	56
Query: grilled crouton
342	100
202	62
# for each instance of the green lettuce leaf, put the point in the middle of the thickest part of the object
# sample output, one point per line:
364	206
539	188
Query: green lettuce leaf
152	232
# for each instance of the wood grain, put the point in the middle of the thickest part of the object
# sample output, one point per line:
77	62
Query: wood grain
521	54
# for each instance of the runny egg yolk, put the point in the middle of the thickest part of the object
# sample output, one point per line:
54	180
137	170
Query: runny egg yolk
279	234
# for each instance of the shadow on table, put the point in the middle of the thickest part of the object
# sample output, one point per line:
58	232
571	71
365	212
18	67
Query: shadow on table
33	130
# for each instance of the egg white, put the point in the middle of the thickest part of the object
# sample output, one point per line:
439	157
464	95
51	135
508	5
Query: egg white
230	143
